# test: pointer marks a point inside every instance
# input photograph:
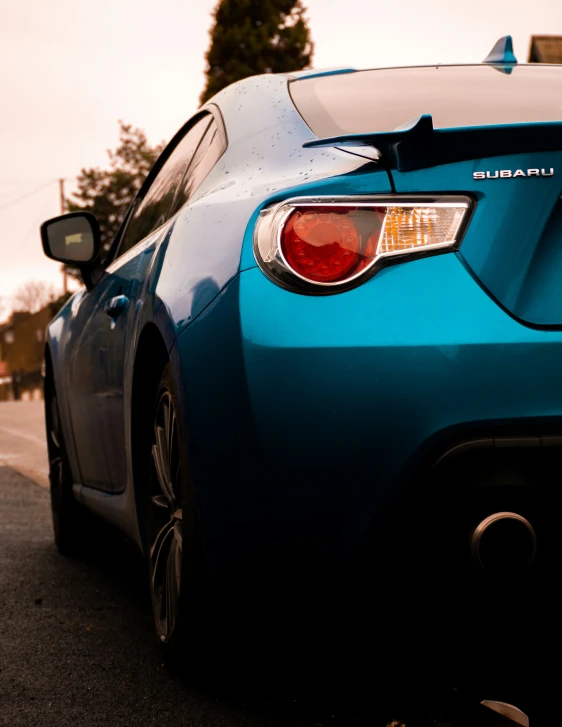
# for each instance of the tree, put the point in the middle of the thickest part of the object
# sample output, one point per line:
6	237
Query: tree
255	36
108	193
33	296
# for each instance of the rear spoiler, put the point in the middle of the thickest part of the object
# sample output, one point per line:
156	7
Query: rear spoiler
417	145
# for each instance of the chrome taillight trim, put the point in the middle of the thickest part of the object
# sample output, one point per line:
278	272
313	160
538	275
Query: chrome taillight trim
271	260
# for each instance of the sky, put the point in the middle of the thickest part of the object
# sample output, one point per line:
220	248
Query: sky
70	69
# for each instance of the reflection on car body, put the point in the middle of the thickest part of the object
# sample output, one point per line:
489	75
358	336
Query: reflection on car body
329	333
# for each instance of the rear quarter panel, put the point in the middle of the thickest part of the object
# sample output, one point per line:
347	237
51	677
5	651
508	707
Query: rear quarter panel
186	264
211	239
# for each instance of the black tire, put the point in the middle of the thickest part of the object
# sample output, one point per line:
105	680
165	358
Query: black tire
173	542
71	522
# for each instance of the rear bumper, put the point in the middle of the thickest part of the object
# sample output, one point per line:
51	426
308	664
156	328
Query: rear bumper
319	410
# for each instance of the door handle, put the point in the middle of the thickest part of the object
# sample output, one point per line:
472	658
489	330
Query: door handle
115	306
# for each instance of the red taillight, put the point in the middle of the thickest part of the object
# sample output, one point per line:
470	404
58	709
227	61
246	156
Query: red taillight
323	246
306	244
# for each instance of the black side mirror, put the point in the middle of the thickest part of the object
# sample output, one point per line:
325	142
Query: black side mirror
74	239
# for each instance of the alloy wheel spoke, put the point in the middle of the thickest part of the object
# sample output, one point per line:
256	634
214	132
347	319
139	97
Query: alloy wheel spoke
160	501
160	457
166	548
178	533
159	554
169	426
173	452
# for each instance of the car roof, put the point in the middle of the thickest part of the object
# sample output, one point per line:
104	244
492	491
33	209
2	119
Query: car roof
317	73
454	95
269	101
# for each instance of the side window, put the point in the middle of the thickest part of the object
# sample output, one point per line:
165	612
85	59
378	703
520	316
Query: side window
209	152
156	206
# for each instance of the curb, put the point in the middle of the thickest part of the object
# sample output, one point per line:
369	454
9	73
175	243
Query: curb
37	477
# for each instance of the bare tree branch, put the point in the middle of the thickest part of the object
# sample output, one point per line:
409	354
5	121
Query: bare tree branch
32	296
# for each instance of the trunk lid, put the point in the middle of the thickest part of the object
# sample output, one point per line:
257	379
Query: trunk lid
513	243
493	131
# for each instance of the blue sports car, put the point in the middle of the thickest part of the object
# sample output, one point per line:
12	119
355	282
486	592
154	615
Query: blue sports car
327	343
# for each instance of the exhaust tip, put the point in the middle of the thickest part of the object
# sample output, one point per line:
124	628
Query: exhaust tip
504	543
507	710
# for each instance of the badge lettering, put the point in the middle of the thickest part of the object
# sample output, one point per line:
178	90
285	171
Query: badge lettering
509	174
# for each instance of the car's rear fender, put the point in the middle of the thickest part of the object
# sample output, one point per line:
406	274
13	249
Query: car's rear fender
346	390
306	413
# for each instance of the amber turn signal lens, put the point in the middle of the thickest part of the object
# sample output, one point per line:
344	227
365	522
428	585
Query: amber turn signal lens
407	229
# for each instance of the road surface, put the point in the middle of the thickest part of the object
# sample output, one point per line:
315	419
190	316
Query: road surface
77	645
22	439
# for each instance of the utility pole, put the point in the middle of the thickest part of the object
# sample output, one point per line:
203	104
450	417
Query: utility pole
62	211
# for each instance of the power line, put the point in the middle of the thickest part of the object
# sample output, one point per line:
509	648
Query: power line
22	180
28	194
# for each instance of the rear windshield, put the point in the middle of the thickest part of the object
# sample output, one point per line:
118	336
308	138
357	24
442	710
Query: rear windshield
382	100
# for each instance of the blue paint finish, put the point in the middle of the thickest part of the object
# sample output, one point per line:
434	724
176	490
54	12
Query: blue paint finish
505	244
208	363
97	349
318	74
299	432
540	295
265	162
502	52
172	277
304	413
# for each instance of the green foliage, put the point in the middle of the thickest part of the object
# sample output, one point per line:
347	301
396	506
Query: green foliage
107	193
255	36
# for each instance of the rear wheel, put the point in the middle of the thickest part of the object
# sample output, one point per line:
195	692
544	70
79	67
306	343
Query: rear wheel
71	522
173	543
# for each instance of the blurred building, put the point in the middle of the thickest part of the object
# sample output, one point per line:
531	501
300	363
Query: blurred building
22	345
545	49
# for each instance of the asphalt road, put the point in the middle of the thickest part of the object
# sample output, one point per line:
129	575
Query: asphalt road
22	439
77	644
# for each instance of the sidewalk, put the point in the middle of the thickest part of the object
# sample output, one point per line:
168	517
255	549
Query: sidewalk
22	439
